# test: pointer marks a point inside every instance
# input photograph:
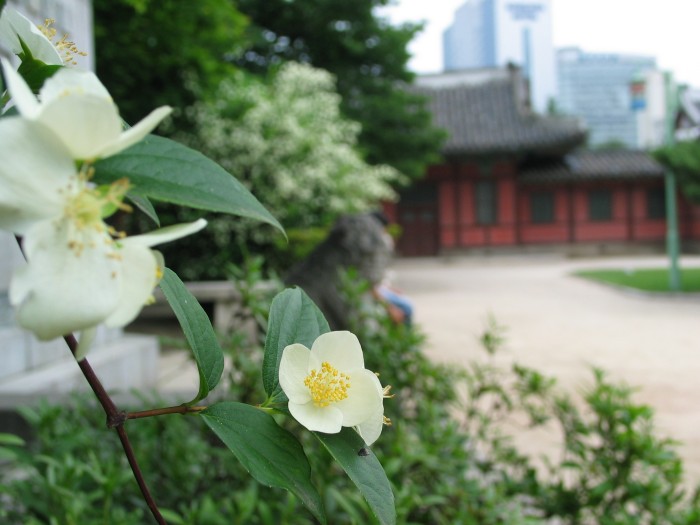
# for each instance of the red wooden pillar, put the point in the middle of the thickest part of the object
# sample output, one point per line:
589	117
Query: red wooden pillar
630	212
572	214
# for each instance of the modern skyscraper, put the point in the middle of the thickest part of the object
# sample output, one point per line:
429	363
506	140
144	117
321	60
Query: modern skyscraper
620	98
493	33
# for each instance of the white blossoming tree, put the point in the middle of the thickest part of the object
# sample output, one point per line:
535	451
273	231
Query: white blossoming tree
289	141
67	165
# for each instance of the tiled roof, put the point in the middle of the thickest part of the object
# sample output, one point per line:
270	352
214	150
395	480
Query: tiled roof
594	165
482	115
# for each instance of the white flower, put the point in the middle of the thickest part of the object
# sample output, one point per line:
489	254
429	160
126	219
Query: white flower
329	387
79	110
14	26
16	29
80	272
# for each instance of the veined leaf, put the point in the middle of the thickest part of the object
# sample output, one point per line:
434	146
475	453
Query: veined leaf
165	170
364	469
272	455
198	331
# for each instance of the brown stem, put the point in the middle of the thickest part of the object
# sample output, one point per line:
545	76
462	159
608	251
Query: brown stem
114	417
116	420
126	445
180	409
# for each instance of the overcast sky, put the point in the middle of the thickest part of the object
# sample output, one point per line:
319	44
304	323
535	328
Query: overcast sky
669	30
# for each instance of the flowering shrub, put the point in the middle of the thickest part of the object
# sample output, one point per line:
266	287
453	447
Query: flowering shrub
290	142
69	166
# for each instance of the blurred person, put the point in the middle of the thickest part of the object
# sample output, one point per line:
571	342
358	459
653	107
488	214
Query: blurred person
398	306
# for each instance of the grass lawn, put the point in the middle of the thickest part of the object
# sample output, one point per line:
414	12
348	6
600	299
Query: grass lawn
652	279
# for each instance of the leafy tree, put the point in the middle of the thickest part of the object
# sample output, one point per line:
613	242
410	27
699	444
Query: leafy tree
369	58
151	53
683	158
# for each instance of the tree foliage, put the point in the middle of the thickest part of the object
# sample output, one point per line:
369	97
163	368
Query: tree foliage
683	159
150	53
369	58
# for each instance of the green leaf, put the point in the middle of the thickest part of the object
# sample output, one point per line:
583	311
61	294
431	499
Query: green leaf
165	170
11	439
364	469
198	331
294	318
143	204
272	455
35	72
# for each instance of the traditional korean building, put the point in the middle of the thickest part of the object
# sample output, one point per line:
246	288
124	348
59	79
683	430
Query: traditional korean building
511	178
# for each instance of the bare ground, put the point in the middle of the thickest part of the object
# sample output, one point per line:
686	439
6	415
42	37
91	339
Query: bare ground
563	325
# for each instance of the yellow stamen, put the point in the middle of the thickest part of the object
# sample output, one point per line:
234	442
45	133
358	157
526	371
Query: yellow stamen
89	205
327	386
66	49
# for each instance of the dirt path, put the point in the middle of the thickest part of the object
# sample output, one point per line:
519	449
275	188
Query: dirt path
563	325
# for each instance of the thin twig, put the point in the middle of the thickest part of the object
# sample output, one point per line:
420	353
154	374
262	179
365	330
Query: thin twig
133	463
113	415
180	409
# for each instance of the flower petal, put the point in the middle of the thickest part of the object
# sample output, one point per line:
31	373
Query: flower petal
26	102
363	399
294	367
134	134
322	419
35	170
60	291
85	123
66	81
371	428
140	269
167	234
139	276
341	349
14	26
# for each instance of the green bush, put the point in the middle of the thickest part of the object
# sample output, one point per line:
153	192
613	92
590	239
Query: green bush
446	452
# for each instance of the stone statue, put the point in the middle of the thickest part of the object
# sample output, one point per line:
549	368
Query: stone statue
356	241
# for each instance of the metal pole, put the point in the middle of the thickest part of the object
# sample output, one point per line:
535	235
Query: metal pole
672	239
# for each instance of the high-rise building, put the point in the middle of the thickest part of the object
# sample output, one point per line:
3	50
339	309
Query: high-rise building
493	33
620	98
